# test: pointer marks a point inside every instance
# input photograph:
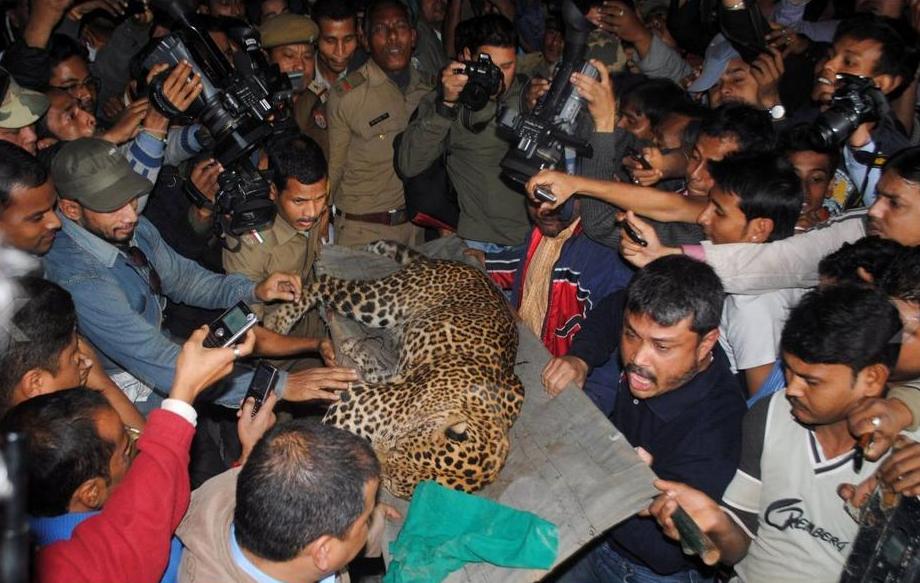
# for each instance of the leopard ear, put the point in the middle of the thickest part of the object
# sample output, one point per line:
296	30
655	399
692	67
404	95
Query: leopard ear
457	432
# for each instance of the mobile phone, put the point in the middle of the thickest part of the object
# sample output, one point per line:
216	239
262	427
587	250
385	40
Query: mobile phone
263	382
632	233
543	193
639	157
230	326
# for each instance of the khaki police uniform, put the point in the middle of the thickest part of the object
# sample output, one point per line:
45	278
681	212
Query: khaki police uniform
282	248
310	115
365	112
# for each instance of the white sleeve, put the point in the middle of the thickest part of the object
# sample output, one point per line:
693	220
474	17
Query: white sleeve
754	268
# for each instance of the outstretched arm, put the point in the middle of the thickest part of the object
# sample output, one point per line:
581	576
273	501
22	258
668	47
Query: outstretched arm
649	202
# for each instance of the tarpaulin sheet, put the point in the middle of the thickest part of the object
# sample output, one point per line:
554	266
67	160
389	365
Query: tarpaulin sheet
568	463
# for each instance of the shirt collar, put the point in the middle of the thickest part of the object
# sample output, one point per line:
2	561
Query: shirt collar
318	75
283	231
236	553
102	250
377	76
672	404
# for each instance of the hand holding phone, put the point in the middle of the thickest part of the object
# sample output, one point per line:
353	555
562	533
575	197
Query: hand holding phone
230	327
639	157
632	233
263	383
544	193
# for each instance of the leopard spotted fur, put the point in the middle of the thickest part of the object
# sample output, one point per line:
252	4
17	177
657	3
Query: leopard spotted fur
446	412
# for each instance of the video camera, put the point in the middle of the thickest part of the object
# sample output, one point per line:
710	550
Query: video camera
239	105
887	548
856	100
557	121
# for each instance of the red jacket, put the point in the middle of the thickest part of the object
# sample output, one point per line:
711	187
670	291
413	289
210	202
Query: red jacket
129	540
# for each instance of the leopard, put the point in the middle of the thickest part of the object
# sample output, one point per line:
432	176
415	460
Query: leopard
445	410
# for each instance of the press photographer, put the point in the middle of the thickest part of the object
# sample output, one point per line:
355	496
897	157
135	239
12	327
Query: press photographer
493	214
241	104
849	91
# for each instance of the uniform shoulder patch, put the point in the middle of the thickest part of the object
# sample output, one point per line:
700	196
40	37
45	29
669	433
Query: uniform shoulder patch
351	81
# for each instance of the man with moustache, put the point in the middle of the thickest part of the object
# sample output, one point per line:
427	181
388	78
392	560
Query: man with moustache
300	189
366	111
678	401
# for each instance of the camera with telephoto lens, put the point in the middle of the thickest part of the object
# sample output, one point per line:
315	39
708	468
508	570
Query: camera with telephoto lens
484	80
240	105
559	120
856	101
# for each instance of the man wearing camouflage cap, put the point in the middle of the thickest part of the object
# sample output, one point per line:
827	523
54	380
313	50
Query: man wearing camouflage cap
19	111
120	271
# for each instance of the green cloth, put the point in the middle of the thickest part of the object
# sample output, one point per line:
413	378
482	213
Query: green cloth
445	529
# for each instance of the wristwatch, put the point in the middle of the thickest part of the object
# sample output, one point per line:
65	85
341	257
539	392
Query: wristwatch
777	112
445	110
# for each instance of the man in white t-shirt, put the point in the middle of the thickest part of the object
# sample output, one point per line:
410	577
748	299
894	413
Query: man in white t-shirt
781	518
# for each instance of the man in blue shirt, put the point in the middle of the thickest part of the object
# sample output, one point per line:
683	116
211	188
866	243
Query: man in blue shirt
678	401
120	272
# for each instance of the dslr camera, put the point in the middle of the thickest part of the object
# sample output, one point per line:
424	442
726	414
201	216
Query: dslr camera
485	80
856	101
558	120
239	104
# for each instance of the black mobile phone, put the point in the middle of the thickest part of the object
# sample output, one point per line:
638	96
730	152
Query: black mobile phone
230	327
639	157
632	233
263	382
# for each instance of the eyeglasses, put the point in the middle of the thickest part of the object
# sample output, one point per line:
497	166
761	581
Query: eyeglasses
90	84
139	260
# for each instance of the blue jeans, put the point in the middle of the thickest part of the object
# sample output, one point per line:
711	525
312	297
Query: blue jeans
604	565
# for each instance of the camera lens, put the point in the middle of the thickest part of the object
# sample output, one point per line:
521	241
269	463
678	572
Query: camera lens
834	127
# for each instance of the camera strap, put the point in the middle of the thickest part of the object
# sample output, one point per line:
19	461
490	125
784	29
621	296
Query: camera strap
871	161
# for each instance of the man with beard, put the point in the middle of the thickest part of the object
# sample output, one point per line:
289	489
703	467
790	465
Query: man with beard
678	401
558	277
120	272
366	111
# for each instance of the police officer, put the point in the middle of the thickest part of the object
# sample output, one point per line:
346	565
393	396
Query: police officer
300	189
366	111
336	46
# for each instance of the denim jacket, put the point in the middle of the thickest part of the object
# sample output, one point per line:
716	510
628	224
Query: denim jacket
120	314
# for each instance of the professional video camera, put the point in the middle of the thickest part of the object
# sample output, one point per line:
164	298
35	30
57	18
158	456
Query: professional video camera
239	105
856	100
557	121
484	81
887	548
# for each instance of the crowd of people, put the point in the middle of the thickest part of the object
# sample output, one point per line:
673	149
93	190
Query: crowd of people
730	271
